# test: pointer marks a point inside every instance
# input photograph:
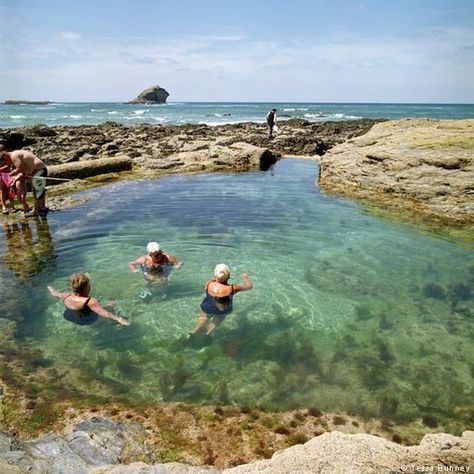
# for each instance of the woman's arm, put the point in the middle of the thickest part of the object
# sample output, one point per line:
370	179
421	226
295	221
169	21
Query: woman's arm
134	263
95	306
247	283
172	260
57	294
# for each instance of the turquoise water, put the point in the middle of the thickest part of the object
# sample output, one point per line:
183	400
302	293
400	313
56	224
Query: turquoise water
348	312
215	113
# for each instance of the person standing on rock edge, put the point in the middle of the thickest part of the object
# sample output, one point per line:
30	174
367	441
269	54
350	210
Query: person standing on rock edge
27	166
271	122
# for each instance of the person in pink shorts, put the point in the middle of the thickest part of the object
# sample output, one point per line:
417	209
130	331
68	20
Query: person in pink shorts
8	190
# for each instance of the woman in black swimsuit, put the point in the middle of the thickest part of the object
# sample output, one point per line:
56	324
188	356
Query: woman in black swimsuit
217	303
81	308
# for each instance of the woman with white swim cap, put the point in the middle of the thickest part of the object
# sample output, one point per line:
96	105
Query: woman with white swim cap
217	303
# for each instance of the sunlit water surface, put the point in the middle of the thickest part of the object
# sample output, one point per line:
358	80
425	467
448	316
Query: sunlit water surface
348	311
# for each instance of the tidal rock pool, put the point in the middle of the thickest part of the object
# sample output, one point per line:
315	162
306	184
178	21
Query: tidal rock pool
350	311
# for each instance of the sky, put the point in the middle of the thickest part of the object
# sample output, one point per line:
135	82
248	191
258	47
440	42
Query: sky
417	51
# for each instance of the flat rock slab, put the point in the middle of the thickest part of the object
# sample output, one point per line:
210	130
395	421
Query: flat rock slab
87	168
429	164
339	453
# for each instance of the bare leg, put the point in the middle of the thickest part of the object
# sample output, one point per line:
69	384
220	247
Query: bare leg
213	324
40	204
201	324
3	196
22	195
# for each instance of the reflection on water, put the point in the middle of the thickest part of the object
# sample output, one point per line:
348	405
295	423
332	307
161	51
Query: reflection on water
29	246
348	311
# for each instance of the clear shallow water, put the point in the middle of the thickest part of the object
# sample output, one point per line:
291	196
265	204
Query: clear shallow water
216	113
348	311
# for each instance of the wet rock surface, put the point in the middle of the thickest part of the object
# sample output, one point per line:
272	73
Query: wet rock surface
151	146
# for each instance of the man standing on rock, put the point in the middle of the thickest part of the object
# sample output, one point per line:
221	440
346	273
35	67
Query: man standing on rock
271	121
27	167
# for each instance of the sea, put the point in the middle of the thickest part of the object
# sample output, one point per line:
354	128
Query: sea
216	113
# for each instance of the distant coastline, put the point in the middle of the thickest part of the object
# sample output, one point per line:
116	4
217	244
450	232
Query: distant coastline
28	102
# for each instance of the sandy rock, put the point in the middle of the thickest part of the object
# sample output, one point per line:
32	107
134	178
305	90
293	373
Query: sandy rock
334	453
84	169
142	468
339	453
443	450
428	164
239	156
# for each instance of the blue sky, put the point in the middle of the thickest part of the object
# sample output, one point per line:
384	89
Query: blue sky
238	50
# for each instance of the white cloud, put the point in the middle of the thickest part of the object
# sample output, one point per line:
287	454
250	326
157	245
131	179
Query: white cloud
432	65
69	36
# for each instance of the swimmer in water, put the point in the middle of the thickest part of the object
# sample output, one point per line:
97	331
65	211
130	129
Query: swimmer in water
81	308
157	265
217	303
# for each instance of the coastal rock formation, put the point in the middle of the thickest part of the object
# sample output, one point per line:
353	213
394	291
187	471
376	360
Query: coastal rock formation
85	169
421	164
416	165
157	146
27	102
103	446
152	95
339	453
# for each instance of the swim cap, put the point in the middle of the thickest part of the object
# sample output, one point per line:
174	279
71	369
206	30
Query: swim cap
221	272
153	247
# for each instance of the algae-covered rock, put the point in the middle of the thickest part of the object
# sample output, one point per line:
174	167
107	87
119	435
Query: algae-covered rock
424	165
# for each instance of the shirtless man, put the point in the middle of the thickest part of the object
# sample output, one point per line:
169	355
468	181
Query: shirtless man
27	166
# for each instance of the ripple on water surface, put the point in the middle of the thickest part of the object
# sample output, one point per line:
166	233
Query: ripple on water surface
348	311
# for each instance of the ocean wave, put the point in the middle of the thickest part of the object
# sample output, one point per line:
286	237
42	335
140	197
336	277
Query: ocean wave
114	112
294	110
140	112
344	116
16	117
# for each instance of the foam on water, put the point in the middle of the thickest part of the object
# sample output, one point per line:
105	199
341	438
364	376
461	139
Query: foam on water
348	311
